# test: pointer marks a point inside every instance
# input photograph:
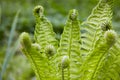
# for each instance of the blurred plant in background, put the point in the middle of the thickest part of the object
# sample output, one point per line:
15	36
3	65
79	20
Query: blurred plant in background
56	11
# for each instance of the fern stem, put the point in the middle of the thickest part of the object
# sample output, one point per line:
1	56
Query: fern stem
62	73
69	52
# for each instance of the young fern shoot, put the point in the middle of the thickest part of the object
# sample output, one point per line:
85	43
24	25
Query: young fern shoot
40	53
70	47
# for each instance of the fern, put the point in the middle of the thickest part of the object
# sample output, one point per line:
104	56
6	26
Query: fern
36	53
70	46
112	62
44	34
99	19
95	60
92	54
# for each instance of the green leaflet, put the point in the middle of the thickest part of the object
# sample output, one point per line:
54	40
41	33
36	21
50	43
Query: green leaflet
70	47
95	60
99	19
44	34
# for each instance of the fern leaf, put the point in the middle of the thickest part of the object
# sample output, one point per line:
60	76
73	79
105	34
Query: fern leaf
96	23
43	67
70	47
95	60
112	61
44	34
44	47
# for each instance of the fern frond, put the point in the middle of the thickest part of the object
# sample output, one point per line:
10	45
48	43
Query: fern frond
70	46
41	52
44	69
44	34
96	23
95	60
112	61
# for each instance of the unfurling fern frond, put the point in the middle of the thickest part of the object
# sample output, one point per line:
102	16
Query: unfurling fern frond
96	23
70	47
41	52
102	61
44	34
95	59
111	67
43	68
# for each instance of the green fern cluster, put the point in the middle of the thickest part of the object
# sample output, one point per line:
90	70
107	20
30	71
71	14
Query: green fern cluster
89	53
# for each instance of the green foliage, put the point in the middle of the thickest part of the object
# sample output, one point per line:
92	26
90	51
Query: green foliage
91	53
12	64
21	71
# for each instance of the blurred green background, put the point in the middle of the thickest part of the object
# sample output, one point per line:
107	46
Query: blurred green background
11	25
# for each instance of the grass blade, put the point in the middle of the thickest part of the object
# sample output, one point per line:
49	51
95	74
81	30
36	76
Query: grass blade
8	51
